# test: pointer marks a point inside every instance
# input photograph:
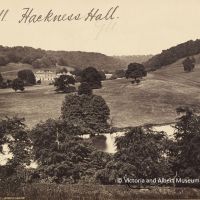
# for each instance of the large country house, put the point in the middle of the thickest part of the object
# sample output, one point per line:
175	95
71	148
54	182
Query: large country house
47	75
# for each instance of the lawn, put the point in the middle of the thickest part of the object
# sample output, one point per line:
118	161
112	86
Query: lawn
153	101
101	192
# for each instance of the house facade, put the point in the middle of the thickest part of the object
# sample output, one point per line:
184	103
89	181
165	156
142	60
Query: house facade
47	75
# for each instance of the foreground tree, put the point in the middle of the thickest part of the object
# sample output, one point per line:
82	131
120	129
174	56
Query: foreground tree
84	88
14	135
92	77
1	81
189	64
88	111
135	71
27	76
62	155
187	152
18	84
142	153
64	84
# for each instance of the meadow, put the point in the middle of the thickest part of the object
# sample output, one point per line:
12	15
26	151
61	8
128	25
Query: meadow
100	192
153	101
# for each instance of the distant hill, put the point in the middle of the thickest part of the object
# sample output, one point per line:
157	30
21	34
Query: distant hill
41	59
134	58
173	54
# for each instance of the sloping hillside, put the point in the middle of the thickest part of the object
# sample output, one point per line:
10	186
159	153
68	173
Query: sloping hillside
39	58
173	54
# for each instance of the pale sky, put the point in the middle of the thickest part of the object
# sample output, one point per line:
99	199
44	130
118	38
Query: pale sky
143	26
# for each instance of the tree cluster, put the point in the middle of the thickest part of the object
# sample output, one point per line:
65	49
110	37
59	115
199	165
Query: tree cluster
64	157
65	84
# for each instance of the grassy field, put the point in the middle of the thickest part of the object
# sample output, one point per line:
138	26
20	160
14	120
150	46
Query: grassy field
100	192
154	100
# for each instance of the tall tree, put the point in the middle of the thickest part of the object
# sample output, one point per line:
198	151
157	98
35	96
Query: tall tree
146	151
92	77
63	83
14	134
62	155
187	135
88	111
1	79
27	76
135	71
84	88
189	64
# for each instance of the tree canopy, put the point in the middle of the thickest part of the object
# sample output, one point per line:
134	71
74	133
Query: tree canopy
188	64
27	76
187	151
84	88
88	111
63	83
135	71
92	77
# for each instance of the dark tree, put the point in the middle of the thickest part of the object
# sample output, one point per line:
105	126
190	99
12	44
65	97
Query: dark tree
142	153
88	111
3	61
92	77
63	84
18	84
135	71
62	155
1	79
187	151
27	76
84	88
14	134
189	64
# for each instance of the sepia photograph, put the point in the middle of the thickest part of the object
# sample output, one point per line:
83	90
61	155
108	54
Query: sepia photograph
99	100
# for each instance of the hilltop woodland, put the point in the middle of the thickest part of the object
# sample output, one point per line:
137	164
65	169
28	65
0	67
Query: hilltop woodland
41	59
171	55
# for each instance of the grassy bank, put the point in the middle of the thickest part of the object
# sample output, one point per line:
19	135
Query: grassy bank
100	192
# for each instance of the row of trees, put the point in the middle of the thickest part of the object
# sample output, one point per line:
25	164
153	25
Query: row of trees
89	77
24	78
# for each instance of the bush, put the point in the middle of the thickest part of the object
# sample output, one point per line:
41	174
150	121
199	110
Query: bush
18	84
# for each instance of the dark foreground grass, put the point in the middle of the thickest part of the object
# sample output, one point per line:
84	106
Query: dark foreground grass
101	192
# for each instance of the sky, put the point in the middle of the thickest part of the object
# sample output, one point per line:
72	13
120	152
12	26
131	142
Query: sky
140	26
